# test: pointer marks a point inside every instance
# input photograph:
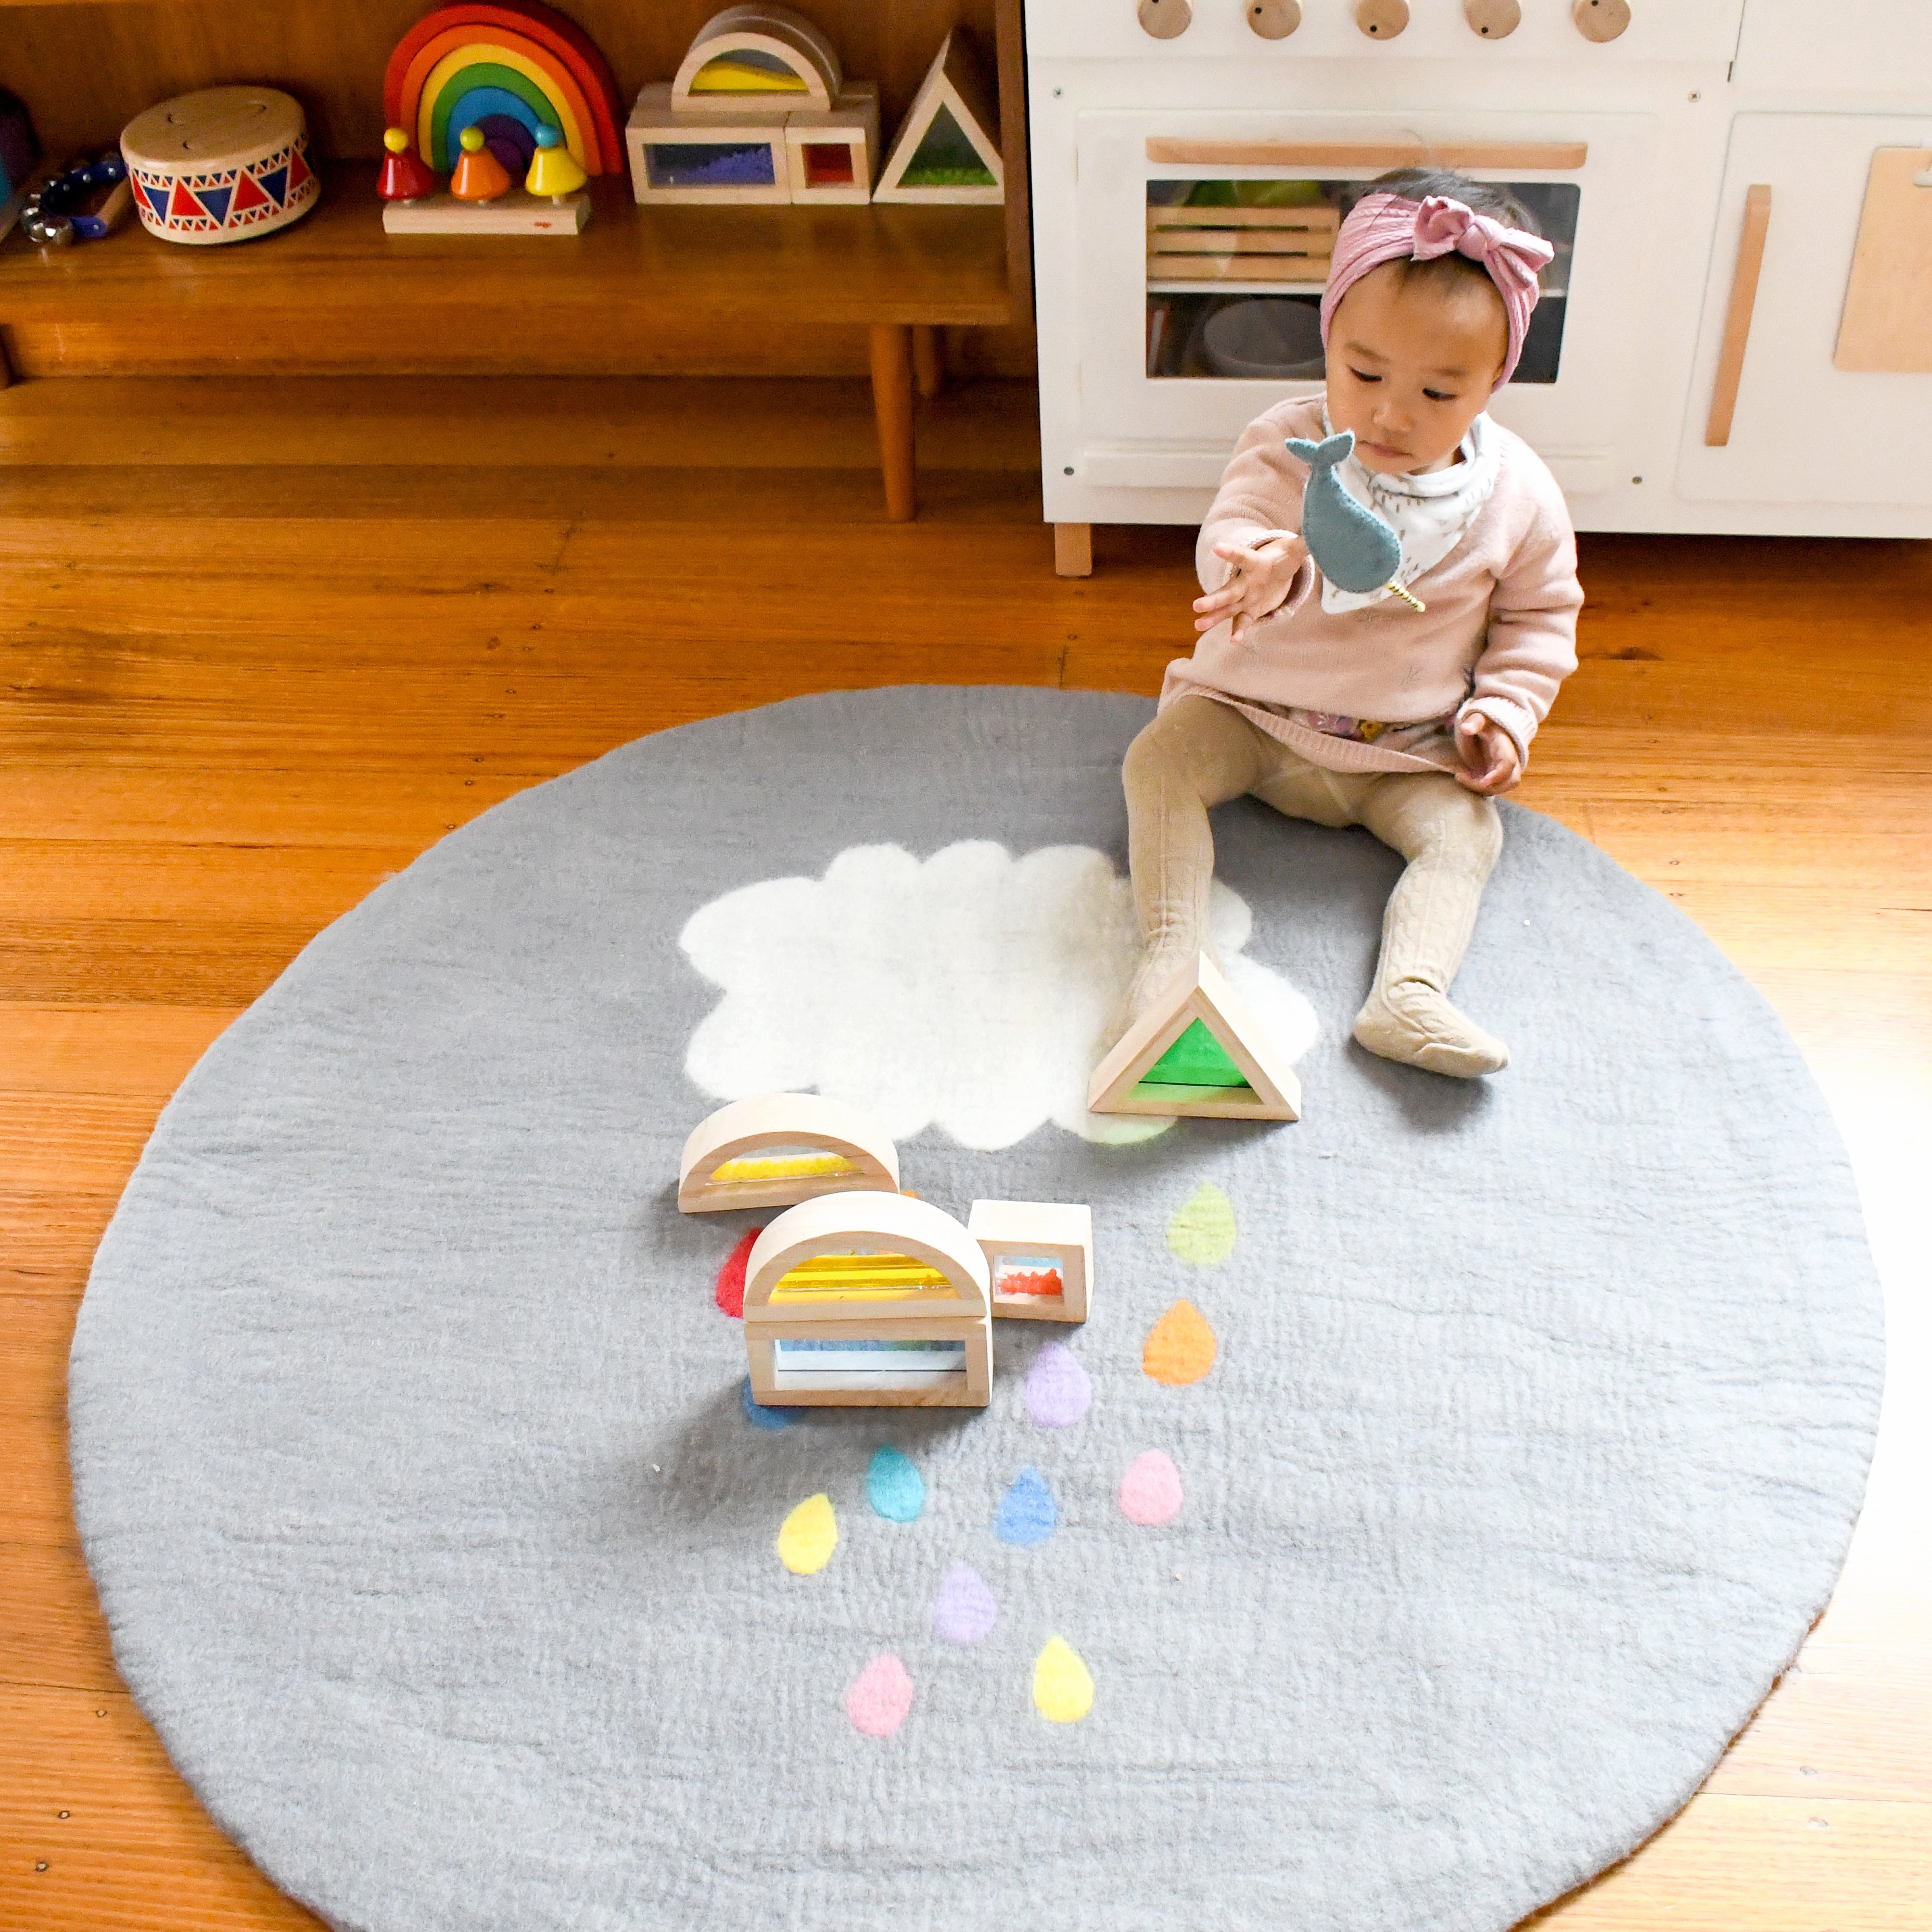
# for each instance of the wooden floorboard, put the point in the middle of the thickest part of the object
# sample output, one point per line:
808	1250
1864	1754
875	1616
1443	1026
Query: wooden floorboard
257	655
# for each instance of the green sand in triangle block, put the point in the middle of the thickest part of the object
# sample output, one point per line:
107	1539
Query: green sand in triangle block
946	158
1196	1059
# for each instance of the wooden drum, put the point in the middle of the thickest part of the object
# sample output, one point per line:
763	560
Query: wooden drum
220	165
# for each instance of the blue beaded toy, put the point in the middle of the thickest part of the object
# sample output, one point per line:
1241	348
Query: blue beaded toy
82	203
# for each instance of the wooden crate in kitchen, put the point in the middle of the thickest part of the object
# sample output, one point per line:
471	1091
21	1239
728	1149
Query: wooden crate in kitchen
1240	245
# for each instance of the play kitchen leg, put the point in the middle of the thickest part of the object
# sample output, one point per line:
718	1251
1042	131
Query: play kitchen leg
1073	550
891	405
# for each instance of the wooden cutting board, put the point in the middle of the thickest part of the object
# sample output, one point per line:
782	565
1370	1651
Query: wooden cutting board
1887	320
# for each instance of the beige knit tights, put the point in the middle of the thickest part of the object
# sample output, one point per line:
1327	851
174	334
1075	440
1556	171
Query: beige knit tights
1198	753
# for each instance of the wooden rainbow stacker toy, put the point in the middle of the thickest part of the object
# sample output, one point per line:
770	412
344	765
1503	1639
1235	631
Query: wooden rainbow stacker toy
515	102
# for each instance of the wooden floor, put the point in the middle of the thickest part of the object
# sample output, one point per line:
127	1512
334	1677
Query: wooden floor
257	659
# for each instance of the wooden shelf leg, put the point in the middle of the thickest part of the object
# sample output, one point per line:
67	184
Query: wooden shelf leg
1073	550
6	369
892	404
929	359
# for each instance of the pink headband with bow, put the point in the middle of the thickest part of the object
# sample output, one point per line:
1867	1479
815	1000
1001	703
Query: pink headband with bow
1387	227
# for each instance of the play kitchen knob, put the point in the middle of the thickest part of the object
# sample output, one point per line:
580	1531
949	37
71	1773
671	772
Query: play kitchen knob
1274	20
1381	19
1601	19
1165	20
1494	19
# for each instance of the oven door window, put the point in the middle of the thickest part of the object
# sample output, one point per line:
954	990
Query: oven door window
1235	271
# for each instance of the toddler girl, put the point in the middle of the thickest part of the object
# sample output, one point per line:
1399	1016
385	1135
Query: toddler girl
1360	709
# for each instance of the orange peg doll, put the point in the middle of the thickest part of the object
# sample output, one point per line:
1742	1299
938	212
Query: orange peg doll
406	176
479	175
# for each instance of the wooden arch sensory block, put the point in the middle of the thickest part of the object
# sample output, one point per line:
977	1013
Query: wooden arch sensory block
1039	1258
868	1300
754	60
775	1149
947	148
1197	1051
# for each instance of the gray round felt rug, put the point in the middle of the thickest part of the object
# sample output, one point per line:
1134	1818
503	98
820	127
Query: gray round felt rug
1494	1447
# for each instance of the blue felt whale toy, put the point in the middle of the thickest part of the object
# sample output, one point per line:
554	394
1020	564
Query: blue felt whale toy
1354	548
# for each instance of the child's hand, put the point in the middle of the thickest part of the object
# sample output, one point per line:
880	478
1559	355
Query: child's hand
1491	762
1264	569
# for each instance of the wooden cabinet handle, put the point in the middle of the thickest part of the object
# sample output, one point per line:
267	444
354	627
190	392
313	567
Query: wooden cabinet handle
1738	321
1554	156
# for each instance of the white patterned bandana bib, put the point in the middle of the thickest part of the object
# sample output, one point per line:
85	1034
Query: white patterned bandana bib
1430	514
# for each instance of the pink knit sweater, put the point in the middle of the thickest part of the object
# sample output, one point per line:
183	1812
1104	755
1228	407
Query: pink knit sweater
1499	634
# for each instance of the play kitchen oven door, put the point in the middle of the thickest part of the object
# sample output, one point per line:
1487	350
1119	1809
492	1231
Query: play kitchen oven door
1204	244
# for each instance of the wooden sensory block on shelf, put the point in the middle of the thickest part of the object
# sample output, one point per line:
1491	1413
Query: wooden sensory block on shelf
868	1300
1040	1257
754	54
834	157
741	159
776	1150
947	148
1197	1052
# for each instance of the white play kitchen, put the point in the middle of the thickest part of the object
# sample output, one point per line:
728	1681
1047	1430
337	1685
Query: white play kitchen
1735	334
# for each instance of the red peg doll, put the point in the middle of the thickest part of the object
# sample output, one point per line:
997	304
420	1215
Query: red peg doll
406	177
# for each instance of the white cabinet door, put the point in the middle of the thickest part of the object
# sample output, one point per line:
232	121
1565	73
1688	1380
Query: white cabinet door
1803	431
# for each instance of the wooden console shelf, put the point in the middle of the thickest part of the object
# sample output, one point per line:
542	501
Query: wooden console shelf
335	295
777	291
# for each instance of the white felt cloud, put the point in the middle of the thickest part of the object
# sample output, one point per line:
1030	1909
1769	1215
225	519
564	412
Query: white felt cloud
971	990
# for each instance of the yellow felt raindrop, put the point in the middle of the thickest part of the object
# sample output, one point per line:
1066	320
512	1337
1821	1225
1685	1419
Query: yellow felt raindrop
808	1536
1062	1687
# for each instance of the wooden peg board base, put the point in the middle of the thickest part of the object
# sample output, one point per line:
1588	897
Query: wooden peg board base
516	213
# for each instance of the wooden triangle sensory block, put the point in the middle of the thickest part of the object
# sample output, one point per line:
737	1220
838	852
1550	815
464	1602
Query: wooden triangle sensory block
947	148
1197	1051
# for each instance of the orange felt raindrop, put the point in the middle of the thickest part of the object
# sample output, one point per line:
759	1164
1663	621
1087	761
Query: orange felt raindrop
1179	1347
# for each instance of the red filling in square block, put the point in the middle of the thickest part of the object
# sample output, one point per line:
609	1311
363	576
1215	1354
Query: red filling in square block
827	164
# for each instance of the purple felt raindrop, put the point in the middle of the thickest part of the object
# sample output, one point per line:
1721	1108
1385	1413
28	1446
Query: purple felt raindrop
964	1611
1057	1389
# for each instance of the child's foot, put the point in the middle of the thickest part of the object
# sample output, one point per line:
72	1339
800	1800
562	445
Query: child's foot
1160	966
1412	1022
